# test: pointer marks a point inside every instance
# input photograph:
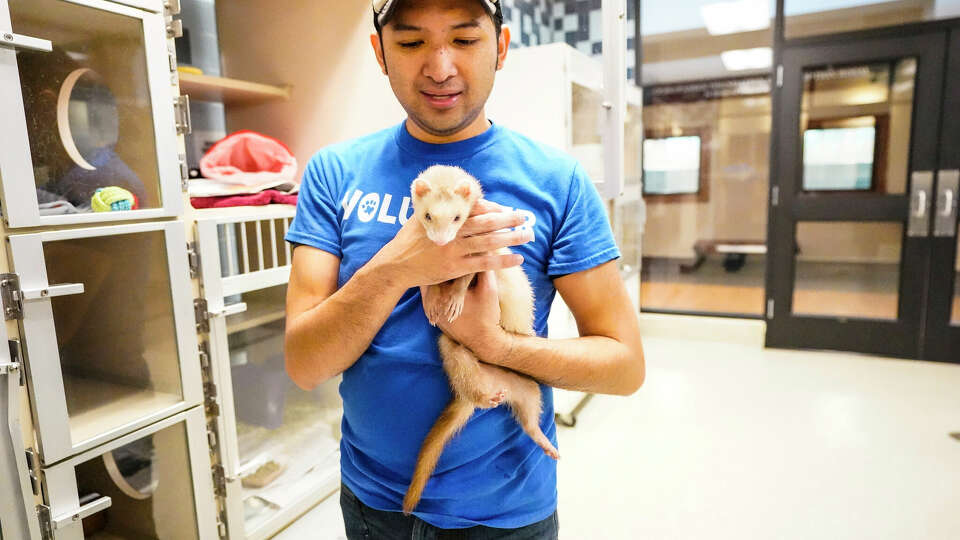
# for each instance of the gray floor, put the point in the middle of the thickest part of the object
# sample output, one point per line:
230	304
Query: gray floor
731	441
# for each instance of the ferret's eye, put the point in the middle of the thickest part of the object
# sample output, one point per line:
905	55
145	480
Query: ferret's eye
428	217
456	218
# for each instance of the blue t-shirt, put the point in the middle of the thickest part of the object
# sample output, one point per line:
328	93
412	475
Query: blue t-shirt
354	198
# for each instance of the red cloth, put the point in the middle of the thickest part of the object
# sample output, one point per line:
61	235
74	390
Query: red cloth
249	158
265	197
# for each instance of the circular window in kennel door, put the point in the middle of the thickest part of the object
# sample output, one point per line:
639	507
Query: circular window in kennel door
131	467
87	117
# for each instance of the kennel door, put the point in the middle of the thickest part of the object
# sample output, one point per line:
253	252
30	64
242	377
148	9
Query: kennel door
109	332
152	484
87	103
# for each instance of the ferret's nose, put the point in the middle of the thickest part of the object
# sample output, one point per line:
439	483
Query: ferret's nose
443	238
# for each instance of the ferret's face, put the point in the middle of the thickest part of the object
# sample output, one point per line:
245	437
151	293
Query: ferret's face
442	200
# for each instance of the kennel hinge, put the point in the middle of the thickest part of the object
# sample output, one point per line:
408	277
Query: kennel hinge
46	524
181	109
184	172
175	28
173	6
201	315
193	259
12	296
210	399
33	470
219	480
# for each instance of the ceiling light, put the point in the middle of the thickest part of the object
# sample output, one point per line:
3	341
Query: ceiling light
733	17
741	59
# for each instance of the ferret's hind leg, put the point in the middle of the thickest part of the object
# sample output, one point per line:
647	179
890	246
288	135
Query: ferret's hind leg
469	379
524	401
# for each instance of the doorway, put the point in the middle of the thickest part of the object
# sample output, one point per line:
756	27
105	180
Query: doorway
863	251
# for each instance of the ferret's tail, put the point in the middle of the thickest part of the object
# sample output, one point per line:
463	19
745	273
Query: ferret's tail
451	420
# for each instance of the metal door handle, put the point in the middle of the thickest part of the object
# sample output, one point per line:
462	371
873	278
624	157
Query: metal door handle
86	510
65	289
232	309
945	224
18	41
919	219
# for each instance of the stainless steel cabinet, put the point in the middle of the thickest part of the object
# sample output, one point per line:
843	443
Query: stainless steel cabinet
278	444
87	102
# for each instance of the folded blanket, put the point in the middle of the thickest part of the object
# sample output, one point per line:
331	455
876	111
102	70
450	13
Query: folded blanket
269	196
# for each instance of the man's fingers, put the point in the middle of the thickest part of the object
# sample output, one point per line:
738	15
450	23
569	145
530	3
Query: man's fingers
485	263
495	241
483	206
491	222
487	281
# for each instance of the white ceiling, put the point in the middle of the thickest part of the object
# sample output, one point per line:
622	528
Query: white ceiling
662	16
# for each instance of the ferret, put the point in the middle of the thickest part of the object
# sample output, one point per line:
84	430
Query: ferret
442	200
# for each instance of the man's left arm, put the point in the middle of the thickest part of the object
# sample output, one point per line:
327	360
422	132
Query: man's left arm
607	358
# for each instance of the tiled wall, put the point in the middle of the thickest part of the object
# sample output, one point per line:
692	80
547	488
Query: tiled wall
577	22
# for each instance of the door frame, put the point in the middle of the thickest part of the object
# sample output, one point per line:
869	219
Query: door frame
926	42
942	339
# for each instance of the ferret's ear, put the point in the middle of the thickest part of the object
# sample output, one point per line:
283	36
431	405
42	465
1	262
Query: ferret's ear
420	188
464	189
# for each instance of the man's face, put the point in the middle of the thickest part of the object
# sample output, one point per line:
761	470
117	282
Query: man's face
441	57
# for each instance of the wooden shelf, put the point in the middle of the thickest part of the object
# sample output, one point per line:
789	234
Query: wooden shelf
230	91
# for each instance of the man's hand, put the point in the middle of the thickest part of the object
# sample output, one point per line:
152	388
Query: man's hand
412	259
479	322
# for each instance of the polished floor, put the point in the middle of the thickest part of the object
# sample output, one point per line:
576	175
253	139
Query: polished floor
731	441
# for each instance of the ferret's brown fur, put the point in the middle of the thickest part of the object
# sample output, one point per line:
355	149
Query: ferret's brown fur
442	199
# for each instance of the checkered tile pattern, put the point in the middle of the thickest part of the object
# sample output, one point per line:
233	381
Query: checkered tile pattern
579	23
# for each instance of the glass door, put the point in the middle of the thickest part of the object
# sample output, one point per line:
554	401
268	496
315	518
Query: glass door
109	335
153	484
943	320
87	105
279	444
853	172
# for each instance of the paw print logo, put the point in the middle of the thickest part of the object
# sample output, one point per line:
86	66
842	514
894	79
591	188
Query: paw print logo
368	206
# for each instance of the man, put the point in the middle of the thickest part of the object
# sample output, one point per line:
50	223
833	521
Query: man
354	299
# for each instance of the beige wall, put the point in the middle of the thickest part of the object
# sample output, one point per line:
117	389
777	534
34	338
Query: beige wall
320	48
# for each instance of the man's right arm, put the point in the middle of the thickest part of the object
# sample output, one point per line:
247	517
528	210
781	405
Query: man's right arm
328	328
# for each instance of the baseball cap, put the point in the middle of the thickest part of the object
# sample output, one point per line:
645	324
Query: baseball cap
383	8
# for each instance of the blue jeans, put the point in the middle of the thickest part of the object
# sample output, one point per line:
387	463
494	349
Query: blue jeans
365	523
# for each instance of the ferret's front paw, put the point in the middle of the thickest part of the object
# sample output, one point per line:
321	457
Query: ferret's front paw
432	308
454	308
